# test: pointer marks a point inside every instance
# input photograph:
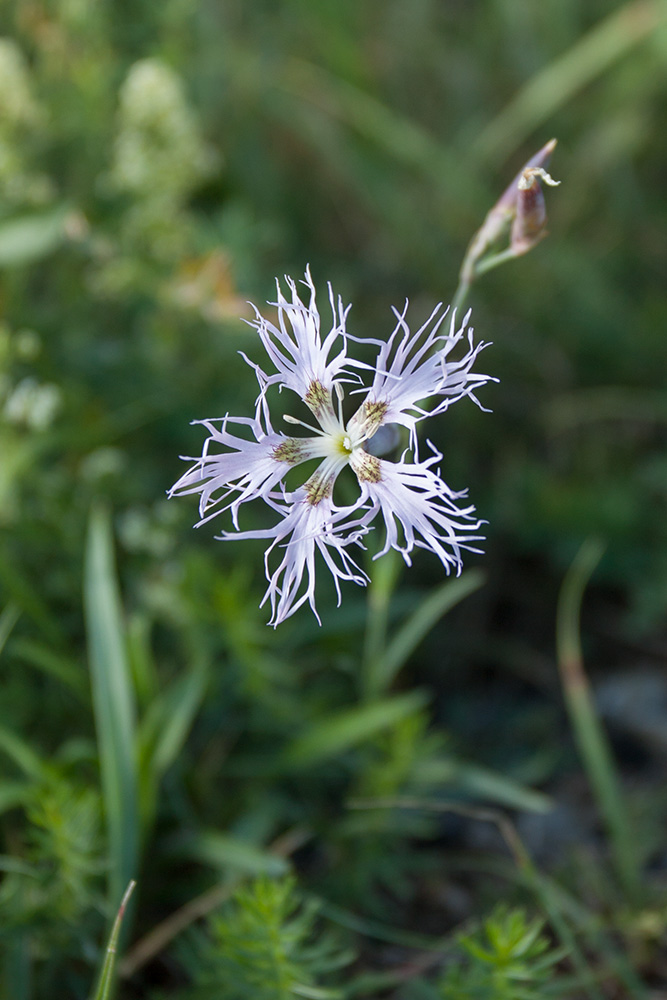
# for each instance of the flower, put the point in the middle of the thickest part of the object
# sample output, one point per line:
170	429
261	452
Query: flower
245	459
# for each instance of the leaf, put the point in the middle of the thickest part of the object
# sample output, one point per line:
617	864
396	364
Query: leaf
13	794
8	620
113	702
170	716
22	754
31	237
559	81
333	736
406	639
63	668
484	783
163	732
229	853
24	595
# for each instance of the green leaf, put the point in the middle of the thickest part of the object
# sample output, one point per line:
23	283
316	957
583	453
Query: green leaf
230	854
25	596
63	668
22	754
333	736
170	716
31	237
558	82
8	620
406	639
484	783
163	731
113	702
13	794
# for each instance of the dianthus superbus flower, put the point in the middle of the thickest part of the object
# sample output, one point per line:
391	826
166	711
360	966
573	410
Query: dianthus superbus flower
244	458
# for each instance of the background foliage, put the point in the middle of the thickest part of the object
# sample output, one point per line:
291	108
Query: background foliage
159	165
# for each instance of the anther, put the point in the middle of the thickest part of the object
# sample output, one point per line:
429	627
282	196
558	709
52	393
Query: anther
526	179
289	419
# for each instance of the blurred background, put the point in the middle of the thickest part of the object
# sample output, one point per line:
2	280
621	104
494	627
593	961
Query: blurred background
160	165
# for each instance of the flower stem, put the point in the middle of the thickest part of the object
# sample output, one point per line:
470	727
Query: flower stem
461	294
380	590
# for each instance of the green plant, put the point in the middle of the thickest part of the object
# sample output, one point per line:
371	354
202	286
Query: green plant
508	959
266	945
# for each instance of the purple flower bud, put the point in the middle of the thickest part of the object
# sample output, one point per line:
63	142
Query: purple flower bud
529	225
505	212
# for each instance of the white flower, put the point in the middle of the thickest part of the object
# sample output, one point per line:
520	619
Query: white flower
412	378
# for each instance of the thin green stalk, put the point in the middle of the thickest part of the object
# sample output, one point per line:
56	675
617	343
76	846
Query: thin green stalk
380	673
380	590
558	82
106	975
494	260
8	620
588	731
461	294
471	270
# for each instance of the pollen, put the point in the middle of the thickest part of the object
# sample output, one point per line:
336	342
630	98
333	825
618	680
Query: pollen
317	398
290	451
373	415
318	488
367	467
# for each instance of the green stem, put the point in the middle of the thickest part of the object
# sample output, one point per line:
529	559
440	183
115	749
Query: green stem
106	975
589	734
380	591
461	294
494	260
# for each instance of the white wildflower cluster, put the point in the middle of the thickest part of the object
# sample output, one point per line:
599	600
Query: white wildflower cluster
26	403
414	377
158	160
158	151
20	118
17	104
32	404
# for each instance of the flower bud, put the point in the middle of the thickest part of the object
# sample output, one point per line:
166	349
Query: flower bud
505	212
529	225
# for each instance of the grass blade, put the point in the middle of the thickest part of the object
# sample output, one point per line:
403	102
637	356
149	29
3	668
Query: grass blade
106	975
8	620
381	672
113	702
234	855
567	75
588	731
20	751
345	729
163	731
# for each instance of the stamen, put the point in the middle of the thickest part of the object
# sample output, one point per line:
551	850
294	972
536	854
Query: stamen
340	393
289	419
526	179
